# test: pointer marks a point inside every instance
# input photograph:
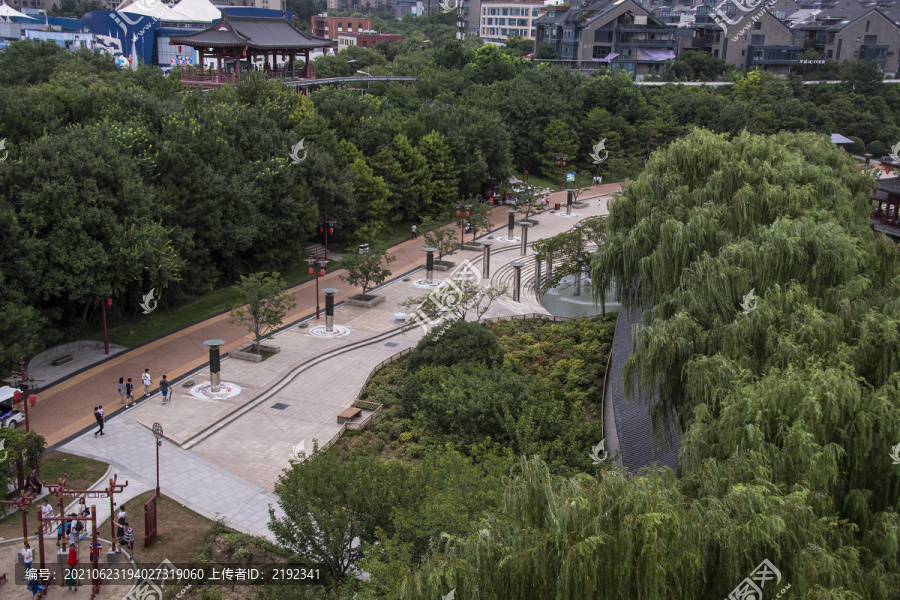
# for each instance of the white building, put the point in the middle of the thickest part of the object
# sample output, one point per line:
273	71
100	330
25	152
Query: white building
502	19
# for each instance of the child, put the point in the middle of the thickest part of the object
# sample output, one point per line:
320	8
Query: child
27	556
122	391
145	378
97	549
36	588
129	393
47	512
129	537
71	579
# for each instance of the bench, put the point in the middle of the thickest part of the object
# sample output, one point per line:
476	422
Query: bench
348	415
62	360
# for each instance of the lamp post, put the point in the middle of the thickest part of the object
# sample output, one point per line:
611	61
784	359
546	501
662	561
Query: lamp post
525	225
578	227
518	281
214	362
486	262
326	227
429	263
22	380
317	267
561	163
107	302
366	74
329	308
460	208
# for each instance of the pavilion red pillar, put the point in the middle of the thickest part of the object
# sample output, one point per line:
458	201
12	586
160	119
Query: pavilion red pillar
306	68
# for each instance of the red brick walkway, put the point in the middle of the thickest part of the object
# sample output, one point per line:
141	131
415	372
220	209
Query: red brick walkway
67	407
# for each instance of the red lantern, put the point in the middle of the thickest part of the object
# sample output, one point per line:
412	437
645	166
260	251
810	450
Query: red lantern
322	272
179	49
321	229
564	163
108	302
310	270
17	396
457	213
557	163
32	399
887	169
467	213
330	230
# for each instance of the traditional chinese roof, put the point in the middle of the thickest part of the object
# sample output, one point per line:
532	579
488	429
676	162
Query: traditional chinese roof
252	32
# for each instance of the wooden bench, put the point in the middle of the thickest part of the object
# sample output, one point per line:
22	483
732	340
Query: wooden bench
349	414
62	360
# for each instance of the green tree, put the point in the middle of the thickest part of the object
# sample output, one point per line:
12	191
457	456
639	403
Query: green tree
440	236
327	505
367	269
479	215
459	341
373	211
440	174
266	304
559	139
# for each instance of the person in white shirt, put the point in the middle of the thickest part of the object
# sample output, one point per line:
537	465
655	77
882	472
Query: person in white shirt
27	556
147	381
47	512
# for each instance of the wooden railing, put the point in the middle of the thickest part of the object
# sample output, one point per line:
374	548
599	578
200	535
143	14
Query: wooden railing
210	78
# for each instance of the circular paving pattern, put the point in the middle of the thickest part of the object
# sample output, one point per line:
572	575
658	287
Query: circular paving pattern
505	238
226	390
562	214
336	331
424	283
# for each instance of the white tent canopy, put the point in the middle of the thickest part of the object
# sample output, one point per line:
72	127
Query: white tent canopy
193	11
144	7
6	11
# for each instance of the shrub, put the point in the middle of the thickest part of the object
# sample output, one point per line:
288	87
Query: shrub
877	148
457	342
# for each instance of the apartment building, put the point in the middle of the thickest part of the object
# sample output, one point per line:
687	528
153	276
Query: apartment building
502	19
331	27
613	34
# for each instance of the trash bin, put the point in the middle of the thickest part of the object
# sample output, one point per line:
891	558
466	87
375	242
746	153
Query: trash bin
556	206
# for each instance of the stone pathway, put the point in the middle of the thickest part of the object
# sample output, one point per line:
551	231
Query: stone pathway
223	457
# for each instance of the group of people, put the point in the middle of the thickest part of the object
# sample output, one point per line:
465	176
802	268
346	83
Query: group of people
126	396
71	530
597	180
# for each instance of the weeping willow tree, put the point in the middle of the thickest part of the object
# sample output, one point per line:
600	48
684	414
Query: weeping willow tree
618	537
570	251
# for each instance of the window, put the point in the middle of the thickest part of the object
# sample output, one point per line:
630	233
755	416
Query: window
522	22
534	12
867	27
757	26
870	39
743	52
504	12
534	35
716	52
758	39
829	54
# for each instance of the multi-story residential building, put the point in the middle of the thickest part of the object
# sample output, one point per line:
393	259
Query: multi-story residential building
367	39
501	19
850	33
363	6
331	27
615	34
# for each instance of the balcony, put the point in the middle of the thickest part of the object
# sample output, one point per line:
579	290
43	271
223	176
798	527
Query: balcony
208	80
647	43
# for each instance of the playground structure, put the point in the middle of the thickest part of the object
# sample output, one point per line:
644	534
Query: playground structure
59	490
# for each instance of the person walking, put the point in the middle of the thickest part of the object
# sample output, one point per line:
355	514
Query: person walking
72	571
27	556
122	391
120	519
98	414
75	533
164	388
129	393
414	233
147	381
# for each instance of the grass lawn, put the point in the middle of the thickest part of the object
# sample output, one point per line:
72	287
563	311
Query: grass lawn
82	473
180	531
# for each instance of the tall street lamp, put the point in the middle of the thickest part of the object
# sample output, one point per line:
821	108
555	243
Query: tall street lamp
561	163
326	227
367	74
462	212
317	267
107	302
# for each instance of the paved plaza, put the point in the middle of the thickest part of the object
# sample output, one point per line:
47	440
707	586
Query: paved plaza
222	457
